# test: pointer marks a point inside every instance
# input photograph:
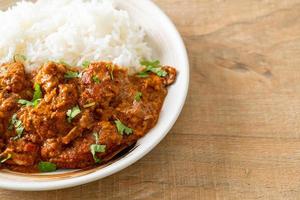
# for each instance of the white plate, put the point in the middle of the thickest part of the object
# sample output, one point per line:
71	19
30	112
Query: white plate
169	49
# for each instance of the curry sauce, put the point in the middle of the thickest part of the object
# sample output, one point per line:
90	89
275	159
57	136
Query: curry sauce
67	117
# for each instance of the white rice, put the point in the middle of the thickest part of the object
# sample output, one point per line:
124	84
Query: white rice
72	31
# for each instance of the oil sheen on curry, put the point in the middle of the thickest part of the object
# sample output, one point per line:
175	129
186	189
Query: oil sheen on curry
63	117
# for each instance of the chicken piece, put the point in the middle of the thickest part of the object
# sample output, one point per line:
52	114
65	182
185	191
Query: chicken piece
142	115
50	76
13	78
99	85
8	106
14	85
171	75
23	152
77	155
51	148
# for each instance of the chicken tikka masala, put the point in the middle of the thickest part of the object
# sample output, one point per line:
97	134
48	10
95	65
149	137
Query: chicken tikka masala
63	117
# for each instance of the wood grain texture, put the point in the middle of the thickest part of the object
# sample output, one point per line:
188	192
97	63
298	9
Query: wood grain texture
239	134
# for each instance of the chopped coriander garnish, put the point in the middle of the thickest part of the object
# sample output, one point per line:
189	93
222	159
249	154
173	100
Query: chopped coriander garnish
89	105
36	97
37	92
86	63
147	63
25	102
36	102
18	123
96	79
46	166
3	160
97	148
15	122
12	122
19	131
122	128
160	72
72	113
138	96
19	58
96	137
152	66
71	74
143	75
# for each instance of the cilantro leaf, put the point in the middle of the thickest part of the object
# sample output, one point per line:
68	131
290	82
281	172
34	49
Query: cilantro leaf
96	79
72	113
25	102
97	148
17	124
12	122
36	102
71	74
20	58
96	137
122	128
46	166
154	67
37	92
143	74
86	64
159	72
36	97
147	63
138	96
19	131
3	160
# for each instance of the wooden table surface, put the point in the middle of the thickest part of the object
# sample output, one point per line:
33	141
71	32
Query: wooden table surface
238	136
